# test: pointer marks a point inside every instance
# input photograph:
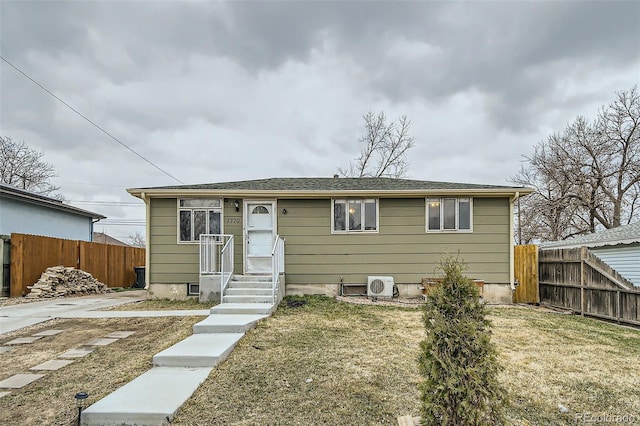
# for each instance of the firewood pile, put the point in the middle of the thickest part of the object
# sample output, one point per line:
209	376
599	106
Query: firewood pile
60	281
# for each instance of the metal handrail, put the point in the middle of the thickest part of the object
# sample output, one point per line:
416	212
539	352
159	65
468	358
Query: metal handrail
216	257
226	259
277	265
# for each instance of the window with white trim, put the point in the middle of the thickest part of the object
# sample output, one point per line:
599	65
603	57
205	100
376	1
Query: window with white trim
198	216
449	214
354	215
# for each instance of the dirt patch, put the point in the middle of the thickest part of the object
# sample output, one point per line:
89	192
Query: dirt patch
50	399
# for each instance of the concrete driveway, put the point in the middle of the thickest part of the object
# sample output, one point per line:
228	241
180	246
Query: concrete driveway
15	317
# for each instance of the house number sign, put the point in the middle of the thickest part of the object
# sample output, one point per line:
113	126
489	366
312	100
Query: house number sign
233	220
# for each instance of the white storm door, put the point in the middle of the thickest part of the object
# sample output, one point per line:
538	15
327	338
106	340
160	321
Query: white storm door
259	234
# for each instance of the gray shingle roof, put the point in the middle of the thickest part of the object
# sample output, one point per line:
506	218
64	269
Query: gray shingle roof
626	234
31	197
334	184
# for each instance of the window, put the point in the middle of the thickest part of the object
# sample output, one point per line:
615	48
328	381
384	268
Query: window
198	216
449	214
355	215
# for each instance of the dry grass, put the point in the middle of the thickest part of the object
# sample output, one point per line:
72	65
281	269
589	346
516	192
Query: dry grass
49	401
164	305
362	362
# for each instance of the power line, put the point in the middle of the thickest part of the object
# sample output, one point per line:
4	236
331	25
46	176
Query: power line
108	203
94	124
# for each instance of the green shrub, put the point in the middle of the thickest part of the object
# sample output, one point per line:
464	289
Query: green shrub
457	359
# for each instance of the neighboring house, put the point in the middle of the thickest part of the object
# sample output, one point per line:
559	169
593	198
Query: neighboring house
102	238
337	230
618	247
24	212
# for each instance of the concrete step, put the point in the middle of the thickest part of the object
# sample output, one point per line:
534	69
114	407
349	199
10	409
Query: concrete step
198	350
243	309
227	323
151	399
248	292
247	299
260	278
249	284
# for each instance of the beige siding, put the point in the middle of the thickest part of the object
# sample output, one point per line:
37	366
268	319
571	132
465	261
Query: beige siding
402	248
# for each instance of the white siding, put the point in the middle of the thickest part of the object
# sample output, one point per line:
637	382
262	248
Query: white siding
623	258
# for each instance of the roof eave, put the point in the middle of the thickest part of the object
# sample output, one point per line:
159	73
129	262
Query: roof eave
51	204
243	193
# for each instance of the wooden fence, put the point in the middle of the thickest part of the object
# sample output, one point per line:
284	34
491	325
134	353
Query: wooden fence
526	273
31	255
577	280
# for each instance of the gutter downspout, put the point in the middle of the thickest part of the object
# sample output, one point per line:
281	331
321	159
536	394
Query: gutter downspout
147	254
512	278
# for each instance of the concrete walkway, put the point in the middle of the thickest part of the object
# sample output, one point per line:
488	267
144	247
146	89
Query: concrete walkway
22	315
178	370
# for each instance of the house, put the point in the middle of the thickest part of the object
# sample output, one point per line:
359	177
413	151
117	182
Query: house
335	232
618	247
102	238
25	212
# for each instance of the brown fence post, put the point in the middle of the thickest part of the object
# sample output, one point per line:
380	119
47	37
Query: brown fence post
619	310
583	256
17	265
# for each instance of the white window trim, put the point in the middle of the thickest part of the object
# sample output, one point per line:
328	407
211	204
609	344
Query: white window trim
448	231
178	208
347	231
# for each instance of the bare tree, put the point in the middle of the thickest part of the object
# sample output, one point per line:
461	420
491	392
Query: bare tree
137	240
23	167
587	177
384	153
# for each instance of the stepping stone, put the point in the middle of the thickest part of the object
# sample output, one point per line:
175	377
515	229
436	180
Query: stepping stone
19	380
100	342
4	349
4	394
119	334
76	353
48	333
23	340
54	364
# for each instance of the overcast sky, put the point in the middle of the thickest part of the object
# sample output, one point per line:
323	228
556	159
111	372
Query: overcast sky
214	92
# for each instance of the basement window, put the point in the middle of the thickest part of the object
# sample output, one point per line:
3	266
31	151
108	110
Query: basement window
193	289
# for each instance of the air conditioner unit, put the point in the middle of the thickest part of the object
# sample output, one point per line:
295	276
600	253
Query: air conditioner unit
380	286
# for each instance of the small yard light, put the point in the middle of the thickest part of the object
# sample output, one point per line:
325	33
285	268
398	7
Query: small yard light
81	402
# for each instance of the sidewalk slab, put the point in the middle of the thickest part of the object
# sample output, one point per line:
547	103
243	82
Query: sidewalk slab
5	393
198	350
23	340
227	323
151	399
4	349
48	333
243	308
19	380
52	365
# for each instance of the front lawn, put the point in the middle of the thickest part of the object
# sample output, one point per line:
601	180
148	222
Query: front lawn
342	364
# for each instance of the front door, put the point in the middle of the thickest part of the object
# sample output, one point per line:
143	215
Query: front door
259	235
